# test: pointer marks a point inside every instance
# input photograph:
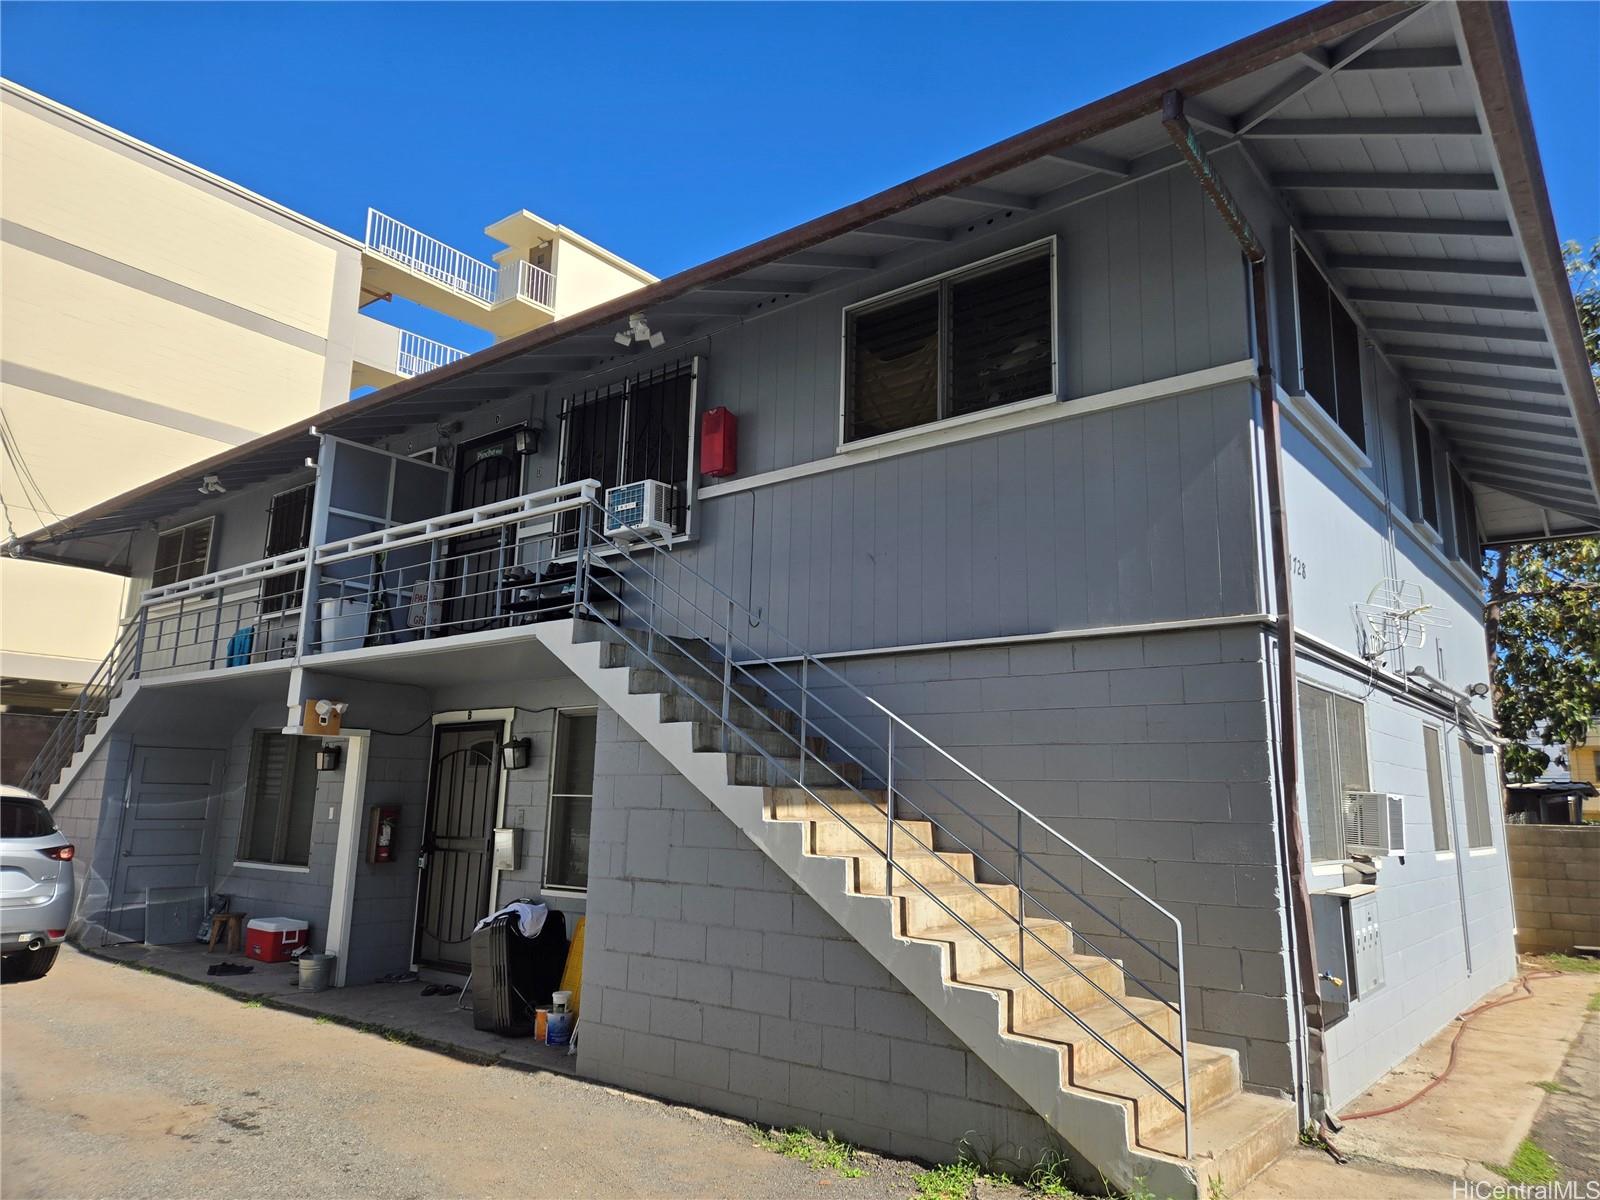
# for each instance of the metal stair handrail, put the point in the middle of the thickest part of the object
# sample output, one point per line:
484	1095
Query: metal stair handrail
598	558
93	702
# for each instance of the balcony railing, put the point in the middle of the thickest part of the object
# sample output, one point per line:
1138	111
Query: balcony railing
502	564
419	354
459	272
429	256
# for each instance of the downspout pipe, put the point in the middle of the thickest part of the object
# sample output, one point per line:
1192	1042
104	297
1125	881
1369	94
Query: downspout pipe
1296	889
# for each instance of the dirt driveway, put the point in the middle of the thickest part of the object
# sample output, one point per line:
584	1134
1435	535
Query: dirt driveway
121	1083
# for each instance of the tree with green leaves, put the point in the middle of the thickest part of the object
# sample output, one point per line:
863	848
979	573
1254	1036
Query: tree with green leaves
1543	607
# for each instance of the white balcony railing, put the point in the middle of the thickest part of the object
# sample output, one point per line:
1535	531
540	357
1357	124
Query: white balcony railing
429	256
419	354
457	271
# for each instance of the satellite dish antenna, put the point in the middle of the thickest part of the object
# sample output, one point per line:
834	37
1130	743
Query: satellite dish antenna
1398	617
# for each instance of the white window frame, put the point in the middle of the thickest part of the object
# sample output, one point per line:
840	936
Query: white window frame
179	530
551	795
1331	866
884	298
1443	809
1430	528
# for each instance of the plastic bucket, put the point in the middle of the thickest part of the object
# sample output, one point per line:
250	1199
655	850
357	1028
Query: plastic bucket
316	972
558	1029
561	1002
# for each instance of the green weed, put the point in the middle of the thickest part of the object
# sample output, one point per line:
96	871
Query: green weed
1571	964
256	1002
1551	1086
1529	1166
1594	1002
952	1181
1215	1189
817	1152
324	1019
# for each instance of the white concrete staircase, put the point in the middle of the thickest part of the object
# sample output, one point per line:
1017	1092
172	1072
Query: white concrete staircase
830	839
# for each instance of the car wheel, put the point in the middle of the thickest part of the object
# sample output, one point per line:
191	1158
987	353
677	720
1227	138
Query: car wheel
32	964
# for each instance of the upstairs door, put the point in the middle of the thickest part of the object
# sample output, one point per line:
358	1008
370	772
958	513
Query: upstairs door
487	471
457	860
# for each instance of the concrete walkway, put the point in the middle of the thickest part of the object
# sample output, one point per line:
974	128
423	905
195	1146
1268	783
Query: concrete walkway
121	1083
1476	1117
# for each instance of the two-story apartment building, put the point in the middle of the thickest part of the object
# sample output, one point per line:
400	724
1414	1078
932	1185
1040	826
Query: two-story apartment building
1030	695
154	314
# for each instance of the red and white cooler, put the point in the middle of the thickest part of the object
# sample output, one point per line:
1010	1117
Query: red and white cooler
274	939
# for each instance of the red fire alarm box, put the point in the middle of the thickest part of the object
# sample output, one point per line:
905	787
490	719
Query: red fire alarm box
719	443
381	823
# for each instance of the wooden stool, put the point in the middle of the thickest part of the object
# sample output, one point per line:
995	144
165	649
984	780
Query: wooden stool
233	922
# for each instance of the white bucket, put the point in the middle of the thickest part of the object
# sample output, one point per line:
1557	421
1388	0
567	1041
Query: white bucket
560	1002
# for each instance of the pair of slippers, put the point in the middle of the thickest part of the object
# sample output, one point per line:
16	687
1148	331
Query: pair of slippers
441	989
228	968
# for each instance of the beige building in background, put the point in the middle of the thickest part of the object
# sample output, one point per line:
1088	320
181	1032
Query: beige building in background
153	314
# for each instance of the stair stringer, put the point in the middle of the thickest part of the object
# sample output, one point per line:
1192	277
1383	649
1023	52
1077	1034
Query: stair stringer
1098	1128
102	729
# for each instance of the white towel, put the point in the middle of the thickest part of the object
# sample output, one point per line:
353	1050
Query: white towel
530	917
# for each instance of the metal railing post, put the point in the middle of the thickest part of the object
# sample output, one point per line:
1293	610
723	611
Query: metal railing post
805	663
888	828
1183	1047
580	583
1022	934
216	628
138	641
727	685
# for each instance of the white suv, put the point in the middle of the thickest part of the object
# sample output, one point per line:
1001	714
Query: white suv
36	888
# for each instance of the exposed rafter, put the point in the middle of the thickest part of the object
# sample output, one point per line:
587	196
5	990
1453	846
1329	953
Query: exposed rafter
755	286
1094	160
1485	358
1499	421
1203	116
1529	458
838	262
1435	226
1508	444
1313	127
995	198
1500	480
1536	387
1411	58
1527	408
1427	266
907	231
1385	181
1451	329
1443	299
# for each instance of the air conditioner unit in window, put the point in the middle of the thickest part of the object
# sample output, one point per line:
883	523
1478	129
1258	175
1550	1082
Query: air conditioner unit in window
1375	823
638	510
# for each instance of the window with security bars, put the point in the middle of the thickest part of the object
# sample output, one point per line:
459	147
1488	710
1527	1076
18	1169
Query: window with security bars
1333	763
571	800
967	342
288	529
1438	799
1475	790
280	800
639	428
1330	350
183	553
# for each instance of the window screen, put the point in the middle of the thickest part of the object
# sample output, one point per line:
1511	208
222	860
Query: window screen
571	801
288	529
183	553
1333	757
1330	350
280	801
1475	789
1438	802
970	342
1427	486
1465	512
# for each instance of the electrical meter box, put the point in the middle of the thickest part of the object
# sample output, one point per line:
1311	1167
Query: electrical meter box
1349	946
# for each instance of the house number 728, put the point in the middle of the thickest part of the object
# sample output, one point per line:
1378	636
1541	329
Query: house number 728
1297	566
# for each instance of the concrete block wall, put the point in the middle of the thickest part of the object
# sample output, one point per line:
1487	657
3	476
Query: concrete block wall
1150	753
86	813
1555	877
710	979
383	912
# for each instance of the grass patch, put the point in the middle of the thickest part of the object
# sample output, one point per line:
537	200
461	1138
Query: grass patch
1569	964
1551	1086
952	1181
324	1019
398	1036
1530	1165
1594	1002
256	1002
819	1153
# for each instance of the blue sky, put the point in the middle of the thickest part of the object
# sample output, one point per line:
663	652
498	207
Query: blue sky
669	133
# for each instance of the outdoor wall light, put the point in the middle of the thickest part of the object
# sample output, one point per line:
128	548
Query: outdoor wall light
516	754
527	441
328	758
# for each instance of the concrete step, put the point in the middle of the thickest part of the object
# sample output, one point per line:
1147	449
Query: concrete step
864	806
1213	1079
752	770
982	902
662	654
677	707
936	870
1083	1056
969	954
1234	1141
1081	981
708	737
865	831
745	710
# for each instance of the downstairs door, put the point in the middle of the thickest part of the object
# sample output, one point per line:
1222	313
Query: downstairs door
458	835
163	842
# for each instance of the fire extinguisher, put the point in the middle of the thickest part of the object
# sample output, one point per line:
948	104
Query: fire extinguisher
381	837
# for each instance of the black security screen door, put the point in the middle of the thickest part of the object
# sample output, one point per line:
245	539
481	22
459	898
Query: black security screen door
487	471
463	796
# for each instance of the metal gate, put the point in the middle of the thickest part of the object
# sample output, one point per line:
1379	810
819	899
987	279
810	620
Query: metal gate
457	863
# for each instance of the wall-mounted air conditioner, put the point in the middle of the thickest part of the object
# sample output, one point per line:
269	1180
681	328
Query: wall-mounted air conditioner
1375	823
639	510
